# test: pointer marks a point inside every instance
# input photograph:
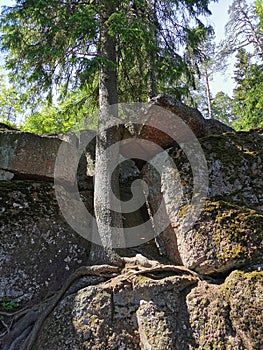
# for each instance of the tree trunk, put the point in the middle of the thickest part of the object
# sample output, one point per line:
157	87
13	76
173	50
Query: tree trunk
152	83
109	221
208	95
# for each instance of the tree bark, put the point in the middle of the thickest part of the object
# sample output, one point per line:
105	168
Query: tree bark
208	95
109	221
152	83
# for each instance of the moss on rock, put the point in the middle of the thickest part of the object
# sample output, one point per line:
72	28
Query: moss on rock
228	316
225	236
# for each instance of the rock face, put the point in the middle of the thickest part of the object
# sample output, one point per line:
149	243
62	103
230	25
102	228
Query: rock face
228	316
174	312
25	155
219	306
225	237
38	249
229	232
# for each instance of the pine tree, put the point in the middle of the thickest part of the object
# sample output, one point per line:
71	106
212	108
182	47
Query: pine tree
248	94
222	108
243	29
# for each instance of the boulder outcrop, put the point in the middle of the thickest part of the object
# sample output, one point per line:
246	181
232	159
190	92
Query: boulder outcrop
204	292
28	155
229	231
173	312
38	249
165	122
24	155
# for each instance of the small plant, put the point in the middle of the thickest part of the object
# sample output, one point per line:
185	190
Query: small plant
8	305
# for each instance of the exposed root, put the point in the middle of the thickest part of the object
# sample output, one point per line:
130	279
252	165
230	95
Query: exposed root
23	330
15	313
19	340
12	338
24	333
141	265
166	268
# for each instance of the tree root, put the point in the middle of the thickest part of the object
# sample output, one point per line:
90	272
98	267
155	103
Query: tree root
166	268
25	331
142	265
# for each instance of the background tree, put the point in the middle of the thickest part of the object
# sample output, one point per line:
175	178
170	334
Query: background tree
73	113
244	28
248	94
12	103
222	108
205	60
244	36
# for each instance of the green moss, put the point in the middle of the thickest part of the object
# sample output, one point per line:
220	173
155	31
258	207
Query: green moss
233	148
228	232
239	229
183	210
8	305
243	292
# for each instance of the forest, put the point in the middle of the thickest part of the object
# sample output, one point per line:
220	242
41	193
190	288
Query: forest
53	54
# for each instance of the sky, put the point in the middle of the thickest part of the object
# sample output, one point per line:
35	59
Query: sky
218	19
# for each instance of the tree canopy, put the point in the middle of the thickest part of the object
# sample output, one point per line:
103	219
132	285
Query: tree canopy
53	46
248	94
11	101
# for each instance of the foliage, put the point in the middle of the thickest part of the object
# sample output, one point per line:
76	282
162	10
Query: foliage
259	12
54	45
49	43
248	94
259	9
7	305
222	108
73	113
11	102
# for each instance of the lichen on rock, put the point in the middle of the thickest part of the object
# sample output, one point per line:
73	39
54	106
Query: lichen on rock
38	248
225	237
228	316
228	233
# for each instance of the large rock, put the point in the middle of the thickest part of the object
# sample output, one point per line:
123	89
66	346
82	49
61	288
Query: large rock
229	233
28	155
31	156
165	123
121	314
224	237
228	316
172	312
25	155
38	249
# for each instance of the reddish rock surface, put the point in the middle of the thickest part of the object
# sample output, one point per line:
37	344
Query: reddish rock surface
228	233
